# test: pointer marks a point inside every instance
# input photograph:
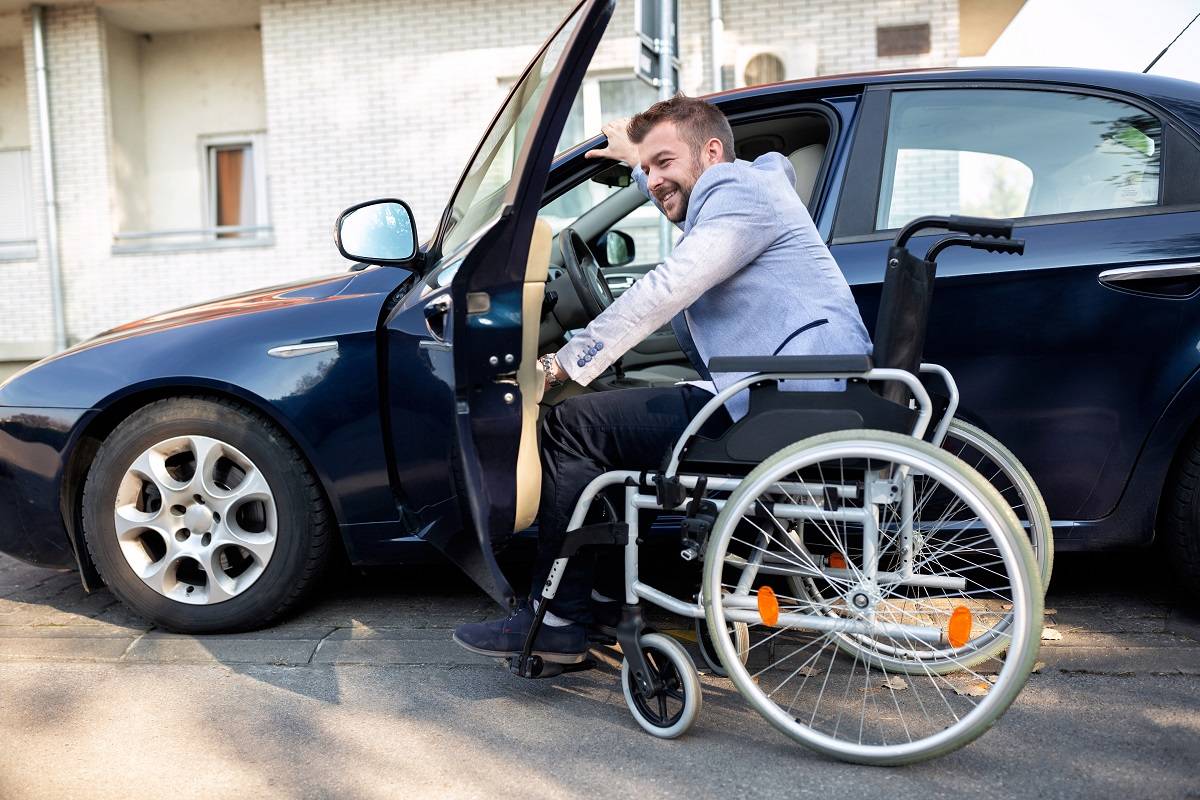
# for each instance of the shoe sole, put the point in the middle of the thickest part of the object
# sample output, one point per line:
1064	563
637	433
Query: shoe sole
554	658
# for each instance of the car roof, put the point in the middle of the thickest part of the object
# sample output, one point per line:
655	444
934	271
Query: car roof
1131	82
1179	96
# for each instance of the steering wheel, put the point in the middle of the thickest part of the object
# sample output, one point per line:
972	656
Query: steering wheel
590	286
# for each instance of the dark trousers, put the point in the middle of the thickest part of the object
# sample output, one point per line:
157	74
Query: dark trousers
585	436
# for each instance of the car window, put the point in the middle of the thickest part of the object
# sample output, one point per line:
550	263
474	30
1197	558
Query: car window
571	205
1015	153
487	177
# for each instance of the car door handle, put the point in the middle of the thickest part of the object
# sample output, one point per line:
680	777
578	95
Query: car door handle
1124	276
435	316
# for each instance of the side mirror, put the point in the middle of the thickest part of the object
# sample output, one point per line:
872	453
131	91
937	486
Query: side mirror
618	248
378	231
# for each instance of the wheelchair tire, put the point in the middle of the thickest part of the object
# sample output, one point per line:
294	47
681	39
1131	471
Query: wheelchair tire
670	713
977	448
741	633
847	702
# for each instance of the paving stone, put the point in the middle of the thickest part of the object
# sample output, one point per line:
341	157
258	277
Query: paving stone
222	649
81	631
381	651
57	649
1123	660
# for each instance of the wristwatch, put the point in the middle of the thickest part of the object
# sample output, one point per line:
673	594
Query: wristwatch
547	362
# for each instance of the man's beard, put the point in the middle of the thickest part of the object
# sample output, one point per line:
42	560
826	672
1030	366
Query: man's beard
685	195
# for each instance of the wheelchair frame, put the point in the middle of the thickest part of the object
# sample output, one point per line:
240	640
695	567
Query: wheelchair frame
668	490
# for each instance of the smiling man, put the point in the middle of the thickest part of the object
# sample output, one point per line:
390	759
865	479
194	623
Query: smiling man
749	276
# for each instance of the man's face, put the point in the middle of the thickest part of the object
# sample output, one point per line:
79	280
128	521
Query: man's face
671	168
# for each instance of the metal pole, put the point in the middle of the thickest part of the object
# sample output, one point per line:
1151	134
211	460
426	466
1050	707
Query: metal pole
44	140
716	33
666	90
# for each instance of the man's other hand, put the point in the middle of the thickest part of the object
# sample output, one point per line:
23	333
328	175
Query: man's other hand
619	147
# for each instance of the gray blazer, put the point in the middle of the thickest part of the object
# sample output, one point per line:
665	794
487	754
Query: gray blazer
752	273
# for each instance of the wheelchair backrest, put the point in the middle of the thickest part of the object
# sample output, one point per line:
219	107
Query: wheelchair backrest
903	317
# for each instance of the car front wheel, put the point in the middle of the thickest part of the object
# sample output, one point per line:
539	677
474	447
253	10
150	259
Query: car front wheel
203	517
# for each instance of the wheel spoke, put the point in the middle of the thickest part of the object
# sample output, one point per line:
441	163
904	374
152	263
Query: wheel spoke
151	465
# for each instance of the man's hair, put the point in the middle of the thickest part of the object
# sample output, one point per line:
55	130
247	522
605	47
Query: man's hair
696	120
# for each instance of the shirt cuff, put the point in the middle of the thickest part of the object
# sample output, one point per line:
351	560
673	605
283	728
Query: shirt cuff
583	358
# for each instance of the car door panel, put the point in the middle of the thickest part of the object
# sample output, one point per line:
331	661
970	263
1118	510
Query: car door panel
486	319
1068	372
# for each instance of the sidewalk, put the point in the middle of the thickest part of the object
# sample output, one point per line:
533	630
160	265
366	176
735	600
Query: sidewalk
364	695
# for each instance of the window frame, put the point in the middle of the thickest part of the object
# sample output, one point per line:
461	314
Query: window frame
856	213
208	144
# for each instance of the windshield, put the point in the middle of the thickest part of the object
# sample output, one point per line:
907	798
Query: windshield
483	187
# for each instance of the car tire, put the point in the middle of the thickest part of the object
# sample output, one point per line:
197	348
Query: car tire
282	561
1179	521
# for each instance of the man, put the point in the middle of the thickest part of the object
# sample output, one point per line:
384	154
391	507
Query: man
749	276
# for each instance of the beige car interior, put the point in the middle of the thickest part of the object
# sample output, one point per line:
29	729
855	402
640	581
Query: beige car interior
529	375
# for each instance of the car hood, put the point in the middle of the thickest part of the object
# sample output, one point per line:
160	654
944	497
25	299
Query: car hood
251	302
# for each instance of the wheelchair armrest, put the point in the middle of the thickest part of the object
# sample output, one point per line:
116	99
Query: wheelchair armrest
846	365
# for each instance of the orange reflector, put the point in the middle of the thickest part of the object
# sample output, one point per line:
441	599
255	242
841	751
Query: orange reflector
958	631
837	561
768	605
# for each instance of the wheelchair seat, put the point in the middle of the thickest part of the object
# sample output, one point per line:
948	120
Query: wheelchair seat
778	418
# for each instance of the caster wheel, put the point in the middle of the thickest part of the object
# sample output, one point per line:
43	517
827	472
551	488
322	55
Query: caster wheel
673	709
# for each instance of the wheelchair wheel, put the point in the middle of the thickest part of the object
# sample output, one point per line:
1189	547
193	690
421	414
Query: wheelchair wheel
911	565
991	459
673	709
741	637
994	462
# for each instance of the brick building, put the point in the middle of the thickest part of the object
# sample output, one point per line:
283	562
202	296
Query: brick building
200	149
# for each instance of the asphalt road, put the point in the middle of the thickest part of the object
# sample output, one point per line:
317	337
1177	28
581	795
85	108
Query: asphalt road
363	695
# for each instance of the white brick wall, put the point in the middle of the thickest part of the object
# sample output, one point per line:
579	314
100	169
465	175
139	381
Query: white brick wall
365	98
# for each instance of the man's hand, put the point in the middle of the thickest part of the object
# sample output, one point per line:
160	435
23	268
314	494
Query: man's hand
559	374
619	147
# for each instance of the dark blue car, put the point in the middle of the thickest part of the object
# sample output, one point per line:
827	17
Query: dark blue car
205	463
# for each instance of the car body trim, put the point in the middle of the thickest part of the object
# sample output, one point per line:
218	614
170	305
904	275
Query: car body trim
1124	274
307	349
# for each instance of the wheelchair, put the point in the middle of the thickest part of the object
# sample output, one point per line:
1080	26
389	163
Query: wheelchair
869	592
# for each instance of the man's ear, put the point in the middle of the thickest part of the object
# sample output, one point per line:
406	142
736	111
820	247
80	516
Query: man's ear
714	151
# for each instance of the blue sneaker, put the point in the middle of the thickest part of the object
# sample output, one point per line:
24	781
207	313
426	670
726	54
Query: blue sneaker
503	638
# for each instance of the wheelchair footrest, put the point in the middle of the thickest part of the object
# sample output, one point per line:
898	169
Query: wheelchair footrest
535	667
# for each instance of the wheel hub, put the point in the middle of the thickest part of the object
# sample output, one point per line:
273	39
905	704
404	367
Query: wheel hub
179	521
863	598
198	518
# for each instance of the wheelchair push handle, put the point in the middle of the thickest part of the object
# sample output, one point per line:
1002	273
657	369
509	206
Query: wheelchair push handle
1013	246
981	226
971	226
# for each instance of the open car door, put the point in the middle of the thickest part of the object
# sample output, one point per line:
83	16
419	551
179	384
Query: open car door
491	228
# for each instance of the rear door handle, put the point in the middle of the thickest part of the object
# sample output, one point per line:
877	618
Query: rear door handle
1129	276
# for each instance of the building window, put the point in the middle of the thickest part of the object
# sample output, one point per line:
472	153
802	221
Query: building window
902	40
235	186
763	68
17	237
